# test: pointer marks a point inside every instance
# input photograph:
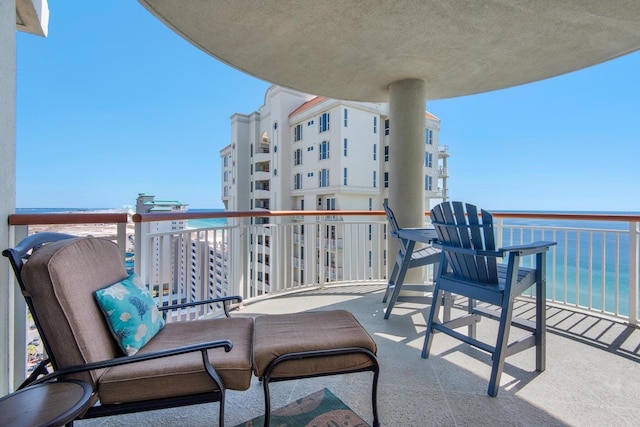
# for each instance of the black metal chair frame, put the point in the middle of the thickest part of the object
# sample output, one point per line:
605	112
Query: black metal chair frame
267	379
17	257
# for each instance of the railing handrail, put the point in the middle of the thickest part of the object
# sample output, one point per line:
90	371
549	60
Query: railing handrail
570	216
171	216
122	217
69	218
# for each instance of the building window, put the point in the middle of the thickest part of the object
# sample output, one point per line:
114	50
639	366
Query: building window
297	157
429	137
370	203
331	206
374	179
226	176
324	122
386	153
323	176
297	133
345	176
370	231
428	158
386	180
324	150
427	183
345	147
386	127
310	122
275	125
375	124
345	117
297	181
375	151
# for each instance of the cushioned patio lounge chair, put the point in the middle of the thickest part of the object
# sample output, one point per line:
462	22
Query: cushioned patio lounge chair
184	363
469	267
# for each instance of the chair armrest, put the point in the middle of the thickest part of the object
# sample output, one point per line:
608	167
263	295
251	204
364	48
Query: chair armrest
202	302
466	251
530	248
124	360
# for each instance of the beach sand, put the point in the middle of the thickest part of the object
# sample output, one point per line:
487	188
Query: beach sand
108	231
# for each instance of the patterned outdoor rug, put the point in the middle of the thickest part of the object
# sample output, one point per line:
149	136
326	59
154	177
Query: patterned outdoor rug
319	409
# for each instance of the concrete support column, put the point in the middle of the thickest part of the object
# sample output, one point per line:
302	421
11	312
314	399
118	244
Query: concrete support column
7	183
407	103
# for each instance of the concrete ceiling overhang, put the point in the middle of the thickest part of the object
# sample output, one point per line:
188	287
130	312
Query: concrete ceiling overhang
355	49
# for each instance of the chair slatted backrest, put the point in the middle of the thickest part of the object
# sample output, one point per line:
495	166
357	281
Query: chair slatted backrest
458	225
393	225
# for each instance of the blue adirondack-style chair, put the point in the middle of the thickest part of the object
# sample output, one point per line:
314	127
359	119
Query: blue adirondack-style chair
418	258
469	267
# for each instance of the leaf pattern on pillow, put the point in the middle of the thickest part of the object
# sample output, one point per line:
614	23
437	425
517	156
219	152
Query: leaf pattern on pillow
139	305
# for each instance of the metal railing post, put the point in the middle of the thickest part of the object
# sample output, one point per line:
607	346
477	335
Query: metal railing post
121	239
633	273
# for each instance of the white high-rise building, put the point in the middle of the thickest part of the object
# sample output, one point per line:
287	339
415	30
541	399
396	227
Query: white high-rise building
305	152
163	274
302	151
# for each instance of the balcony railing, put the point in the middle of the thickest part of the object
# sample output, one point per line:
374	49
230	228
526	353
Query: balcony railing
163	256
594	267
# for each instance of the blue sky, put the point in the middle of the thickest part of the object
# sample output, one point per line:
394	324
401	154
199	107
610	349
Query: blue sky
113	103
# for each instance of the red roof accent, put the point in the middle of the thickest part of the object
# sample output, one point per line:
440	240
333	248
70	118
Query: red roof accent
308	104
430	116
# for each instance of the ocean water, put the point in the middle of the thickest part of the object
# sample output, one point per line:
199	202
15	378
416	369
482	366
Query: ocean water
207	222
582	246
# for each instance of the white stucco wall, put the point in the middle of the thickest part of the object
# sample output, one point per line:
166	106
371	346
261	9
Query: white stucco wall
7	176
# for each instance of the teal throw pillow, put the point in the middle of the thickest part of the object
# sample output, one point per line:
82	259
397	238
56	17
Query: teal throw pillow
131	313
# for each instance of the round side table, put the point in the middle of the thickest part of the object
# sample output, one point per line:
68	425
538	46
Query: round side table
48	404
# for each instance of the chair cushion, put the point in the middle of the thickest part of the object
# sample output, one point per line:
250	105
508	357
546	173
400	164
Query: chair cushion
61	278
131	313
280	334
184	374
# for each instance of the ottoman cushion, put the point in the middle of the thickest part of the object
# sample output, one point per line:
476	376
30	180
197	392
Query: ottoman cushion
276	335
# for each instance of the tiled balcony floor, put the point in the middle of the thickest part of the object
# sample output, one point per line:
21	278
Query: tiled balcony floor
592	376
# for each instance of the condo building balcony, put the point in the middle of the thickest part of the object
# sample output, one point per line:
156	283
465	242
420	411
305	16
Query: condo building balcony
262	154
443	151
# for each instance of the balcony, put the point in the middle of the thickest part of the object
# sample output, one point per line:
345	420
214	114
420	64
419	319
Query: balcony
591	376
592	319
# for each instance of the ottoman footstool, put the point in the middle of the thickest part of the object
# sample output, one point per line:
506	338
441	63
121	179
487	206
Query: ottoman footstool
312	344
